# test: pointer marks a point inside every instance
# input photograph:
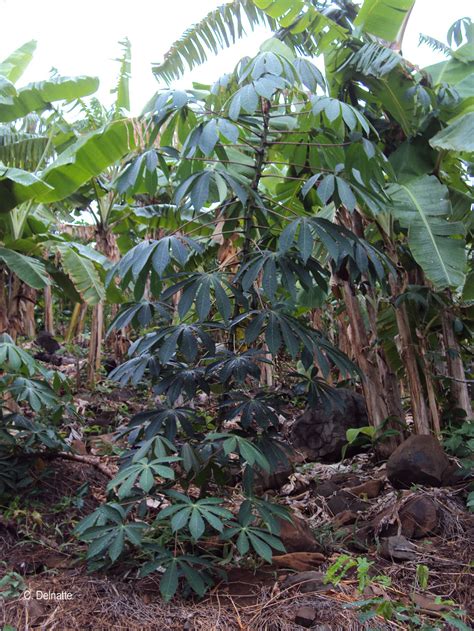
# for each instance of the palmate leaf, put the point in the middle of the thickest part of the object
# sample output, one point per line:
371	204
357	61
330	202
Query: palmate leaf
14	359
422	206
219	29
37	393
193	515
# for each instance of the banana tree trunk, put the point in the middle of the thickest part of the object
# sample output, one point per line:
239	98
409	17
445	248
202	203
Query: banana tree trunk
459	390
383	410
21	309
3	302
48	310
95	345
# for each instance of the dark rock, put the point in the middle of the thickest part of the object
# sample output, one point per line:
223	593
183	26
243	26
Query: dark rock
345	501
305	616
418	460
397	548
48	358
344	518
368	489
363	537
274	480
326	489
297	536
307	582
416	518
321	429
47	342
453	475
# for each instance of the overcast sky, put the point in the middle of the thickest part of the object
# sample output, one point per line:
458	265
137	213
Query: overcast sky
82	37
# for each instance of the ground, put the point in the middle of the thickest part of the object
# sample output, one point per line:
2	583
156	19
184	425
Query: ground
36	542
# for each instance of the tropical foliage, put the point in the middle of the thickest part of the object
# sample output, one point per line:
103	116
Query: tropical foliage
305	221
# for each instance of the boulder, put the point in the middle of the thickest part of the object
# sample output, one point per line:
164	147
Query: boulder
321	429
297	536
275	479
418	460
417	518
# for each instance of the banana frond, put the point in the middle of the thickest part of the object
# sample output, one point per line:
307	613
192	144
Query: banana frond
218	30
15	64
373	60
22	150
434	44
122	89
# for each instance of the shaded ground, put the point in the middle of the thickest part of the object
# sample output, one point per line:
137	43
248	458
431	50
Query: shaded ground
36	542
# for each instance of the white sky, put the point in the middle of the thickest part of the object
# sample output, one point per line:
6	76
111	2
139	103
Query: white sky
82	37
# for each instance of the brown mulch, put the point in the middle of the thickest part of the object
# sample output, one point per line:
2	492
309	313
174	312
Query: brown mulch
41	549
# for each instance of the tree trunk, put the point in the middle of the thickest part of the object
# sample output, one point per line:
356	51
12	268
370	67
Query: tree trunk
421	415
48	310
21	309
95	344
373	381
3	302
459	390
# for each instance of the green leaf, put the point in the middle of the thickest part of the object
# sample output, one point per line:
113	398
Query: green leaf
18	186
383	18
422	205
458	136
196	524
29	270
37	97
15	64
88	157
169	581
83	274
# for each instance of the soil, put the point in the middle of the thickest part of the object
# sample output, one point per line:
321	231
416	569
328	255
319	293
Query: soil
36	541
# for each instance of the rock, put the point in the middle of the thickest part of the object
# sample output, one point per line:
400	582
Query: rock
368	489
453	475
321	429
363	538
344	518
345	501
417	518
299	561
47	342
297	536
418	460
305	616
274	480
397	548
307	582
326	489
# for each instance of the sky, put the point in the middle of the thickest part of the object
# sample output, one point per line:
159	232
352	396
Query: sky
82	38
